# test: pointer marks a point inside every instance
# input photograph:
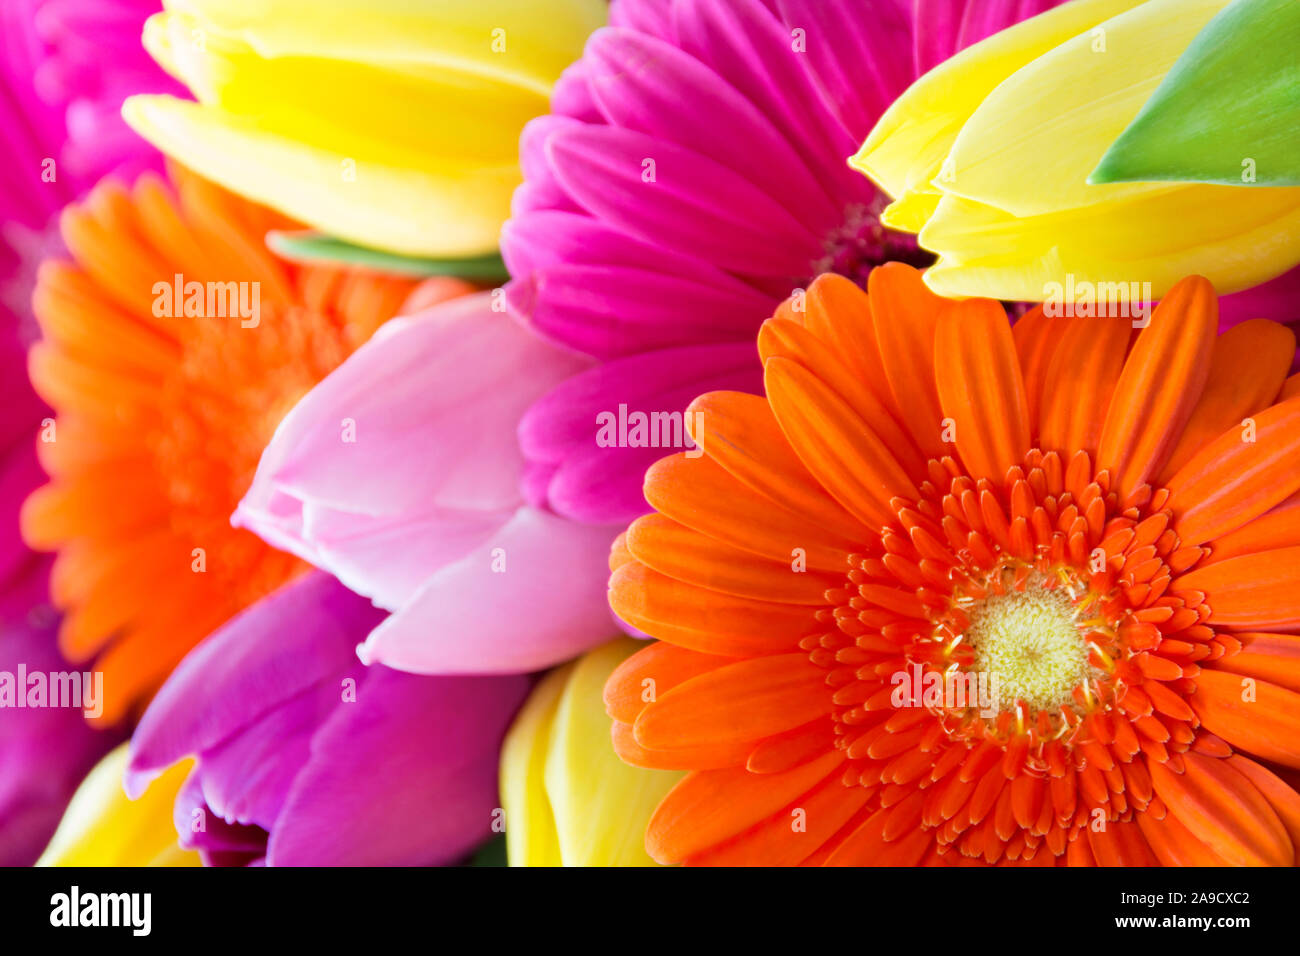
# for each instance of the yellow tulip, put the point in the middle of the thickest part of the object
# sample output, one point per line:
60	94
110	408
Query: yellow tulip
987	159
389	124
101	827
568	799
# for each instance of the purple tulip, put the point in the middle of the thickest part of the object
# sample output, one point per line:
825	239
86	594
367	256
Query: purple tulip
308	757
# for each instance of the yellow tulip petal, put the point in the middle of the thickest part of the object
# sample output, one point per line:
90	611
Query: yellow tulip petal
531	839
601	804
101	827
910	212
907	147
1235	237
567	796
414	211
524	43
389	124
1008	209
474	118
1029	147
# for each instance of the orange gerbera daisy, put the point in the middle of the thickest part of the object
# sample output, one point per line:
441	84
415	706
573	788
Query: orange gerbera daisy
1085	542
162	415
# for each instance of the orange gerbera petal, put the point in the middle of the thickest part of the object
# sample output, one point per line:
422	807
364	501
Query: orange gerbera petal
838	313
869	845
1122	843
1247	368
905	313
1284	801
1084	367
740	433
1175	845
787	339
1279	527
655	669
700	494
1036	335
677	551
788	839
980	387
1224	810
699	756
1271	657
703	620
1161	383
1231	480
792	748
744	701
836	446
1254	715
1016	655
163	408
835	334
1251	591
722	803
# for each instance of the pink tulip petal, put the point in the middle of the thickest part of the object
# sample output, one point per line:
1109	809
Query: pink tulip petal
433	400
547	605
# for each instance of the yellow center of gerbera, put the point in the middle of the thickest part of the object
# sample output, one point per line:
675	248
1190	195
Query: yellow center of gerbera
1031	645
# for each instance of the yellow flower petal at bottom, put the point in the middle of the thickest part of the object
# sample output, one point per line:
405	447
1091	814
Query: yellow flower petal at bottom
569	799
531	837
101	827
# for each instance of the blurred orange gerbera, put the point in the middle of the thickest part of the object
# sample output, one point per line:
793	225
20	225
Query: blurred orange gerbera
954	593
162	413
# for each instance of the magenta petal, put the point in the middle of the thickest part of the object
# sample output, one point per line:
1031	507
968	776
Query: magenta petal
558	237
215	834
541	189
1277	299
571	95
301	635
600	484
608	310
405	776
859	72
749	47
648	16
644	84
749	110
944	27
247	777
20	474
693	204
44	751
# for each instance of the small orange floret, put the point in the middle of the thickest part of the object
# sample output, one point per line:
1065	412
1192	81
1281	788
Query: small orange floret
172	343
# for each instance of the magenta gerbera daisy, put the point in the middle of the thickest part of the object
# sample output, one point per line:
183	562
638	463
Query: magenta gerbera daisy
691	174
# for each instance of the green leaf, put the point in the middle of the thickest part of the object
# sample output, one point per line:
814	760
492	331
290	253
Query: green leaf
491	853
316	247
1229	110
